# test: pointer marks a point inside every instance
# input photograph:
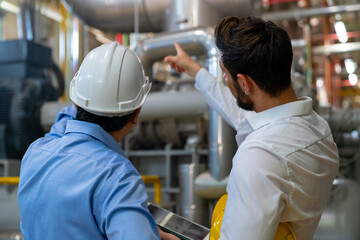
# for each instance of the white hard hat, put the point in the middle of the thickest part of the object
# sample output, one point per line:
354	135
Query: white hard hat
110	81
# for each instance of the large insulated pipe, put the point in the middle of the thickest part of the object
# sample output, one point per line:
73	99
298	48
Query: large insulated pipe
173	104
196	42
186	14
159	15
118	16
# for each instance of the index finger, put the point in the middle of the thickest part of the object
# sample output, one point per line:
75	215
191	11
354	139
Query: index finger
178	48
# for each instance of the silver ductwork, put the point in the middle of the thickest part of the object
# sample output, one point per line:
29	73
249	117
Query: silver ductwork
185	14
158	15
119	15
195	41
178	104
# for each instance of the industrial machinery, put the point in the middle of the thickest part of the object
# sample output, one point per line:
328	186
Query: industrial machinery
178	131
178	138
28	78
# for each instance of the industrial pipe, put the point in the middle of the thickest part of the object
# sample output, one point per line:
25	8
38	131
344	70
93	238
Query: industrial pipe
9	180
159	15
157	186
299	14
118	16
198	42
173	104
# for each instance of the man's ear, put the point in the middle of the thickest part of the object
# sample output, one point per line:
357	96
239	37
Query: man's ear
245	82
76	106
134	119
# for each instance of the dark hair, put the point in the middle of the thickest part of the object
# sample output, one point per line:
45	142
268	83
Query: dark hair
258	49
109	124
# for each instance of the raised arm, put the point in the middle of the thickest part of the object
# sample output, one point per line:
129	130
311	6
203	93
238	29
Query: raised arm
182	62
217	95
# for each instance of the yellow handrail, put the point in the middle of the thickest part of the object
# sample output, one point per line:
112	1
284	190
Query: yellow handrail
9	180
157	186
147	179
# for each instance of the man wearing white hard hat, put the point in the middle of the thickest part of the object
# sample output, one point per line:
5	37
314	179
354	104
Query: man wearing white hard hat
76	182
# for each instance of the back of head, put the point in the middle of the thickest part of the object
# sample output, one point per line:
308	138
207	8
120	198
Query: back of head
109	124
110	84
258	49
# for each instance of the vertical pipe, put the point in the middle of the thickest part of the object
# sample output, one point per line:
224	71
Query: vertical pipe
191	206
327	62
40	31
85	41
308	50
221	144
62	43
308	54
26	20
336	84
75	42
69	48
65	48
136	22
81	42
168	165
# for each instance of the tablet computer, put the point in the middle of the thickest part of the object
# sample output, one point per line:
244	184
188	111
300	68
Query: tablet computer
177	225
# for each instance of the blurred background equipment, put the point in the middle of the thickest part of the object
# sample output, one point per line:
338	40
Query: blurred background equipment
179	139
28	78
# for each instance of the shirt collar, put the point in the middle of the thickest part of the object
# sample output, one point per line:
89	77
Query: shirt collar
301	107
95	131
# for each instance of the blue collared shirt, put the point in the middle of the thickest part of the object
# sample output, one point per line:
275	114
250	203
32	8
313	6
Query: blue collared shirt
76	183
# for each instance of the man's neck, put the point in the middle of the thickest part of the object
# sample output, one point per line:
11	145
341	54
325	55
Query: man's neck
264	102
119	135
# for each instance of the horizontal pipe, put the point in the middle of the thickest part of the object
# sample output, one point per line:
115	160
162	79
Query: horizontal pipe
155	15
337	48
173	104
118	16
208	187
9	180
299	14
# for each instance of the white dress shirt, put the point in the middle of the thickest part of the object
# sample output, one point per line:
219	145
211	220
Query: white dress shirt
283	169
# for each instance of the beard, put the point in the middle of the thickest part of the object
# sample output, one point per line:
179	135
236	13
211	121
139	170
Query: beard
244	102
